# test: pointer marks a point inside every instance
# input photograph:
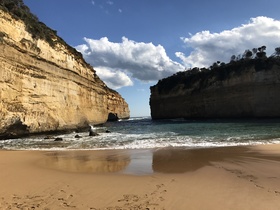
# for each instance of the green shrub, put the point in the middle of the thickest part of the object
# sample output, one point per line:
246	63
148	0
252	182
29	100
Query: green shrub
221	72
39	30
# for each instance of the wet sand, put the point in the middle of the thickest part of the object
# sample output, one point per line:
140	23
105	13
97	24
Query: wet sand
170	178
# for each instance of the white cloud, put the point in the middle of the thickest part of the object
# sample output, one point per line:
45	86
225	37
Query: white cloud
209	47
138	60
110	2
113	79
106	6
120	10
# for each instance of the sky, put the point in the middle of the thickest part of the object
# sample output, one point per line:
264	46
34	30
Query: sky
134	43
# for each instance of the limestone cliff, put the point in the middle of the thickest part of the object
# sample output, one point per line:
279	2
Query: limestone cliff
248	88
47	86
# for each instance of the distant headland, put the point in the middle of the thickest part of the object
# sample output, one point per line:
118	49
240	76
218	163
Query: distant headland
247	86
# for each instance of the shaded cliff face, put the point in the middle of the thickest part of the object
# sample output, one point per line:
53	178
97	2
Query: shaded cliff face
48	88
247	89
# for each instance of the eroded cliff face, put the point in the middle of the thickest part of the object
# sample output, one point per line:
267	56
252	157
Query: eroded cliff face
248	92
44	88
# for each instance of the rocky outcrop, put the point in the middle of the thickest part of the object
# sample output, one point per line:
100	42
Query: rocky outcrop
248	88
46	87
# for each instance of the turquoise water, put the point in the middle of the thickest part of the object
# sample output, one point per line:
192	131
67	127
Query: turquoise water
144	133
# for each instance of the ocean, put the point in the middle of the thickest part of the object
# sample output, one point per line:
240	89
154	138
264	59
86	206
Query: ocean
145	133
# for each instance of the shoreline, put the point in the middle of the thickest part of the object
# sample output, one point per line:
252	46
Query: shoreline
238	177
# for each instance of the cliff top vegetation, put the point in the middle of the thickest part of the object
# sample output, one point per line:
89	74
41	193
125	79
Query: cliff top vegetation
255	58
19	11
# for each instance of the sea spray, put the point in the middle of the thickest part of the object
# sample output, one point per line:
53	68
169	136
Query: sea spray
144	133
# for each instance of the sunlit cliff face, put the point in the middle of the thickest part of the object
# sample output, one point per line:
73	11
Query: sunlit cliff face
46	88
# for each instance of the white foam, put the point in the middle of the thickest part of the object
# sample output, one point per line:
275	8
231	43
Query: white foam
145	137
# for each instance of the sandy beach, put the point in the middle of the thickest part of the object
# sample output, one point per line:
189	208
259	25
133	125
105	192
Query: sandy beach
170	179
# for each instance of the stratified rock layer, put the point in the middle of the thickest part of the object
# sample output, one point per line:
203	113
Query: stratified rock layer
246	89
48	88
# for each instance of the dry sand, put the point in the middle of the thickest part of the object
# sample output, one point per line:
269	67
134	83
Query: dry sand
171	179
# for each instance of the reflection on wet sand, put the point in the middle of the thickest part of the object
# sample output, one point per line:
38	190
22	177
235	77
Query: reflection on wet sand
143	162
87	161
185	160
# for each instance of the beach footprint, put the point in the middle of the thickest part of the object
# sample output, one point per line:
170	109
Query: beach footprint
148	201
61	197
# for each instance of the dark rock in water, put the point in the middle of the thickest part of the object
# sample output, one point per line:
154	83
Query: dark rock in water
107	131
92	131
78	136
49	137
113	117
58	139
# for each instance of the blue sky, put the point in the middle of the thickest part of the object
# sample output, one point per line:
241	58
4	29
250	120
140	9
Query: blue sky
134	43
